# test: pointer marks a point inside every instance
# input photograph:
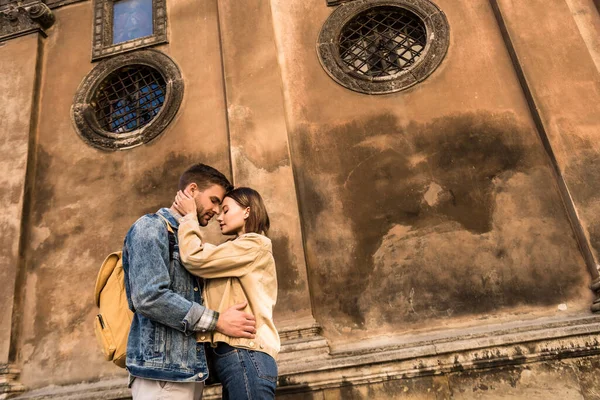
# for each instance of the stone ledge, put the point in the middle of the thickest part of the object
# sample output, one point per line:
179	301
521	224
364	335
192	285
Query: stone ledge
307	366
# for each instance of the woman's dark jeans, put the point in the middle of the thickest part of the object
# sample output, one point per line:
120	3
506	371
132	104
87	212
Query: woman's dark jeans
245	374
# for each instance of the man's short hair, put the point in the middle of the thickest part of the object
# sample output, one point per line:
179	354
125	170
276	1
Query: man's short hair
204	176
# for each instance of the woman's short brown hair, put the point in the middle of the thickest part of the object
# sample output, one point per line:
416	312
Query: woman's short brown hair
258	220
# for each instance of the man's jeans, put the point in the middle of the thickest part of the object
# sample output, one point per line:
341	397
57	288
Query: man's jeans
245	374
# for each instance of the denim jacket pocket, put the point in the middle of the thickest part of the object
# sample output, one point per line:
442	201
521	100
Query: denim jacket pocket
265	365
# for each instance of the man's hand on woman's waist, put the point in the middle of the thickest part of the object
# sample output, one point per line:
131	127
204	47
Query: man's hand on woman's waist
235	323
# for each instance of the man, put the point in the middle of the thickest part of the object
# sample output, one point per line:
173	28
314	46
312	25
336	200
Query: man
163	358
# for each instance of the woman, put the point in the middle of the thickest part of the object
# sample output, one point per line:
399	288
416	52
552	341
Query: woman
237	271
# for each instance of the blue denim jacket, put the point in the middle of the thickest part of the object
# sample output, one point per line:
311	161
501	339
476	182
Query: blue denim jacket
167	305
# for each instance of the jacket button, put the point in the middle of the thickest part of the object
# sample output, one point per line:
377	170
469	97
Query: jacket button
251	344
200	375
195	289
262	347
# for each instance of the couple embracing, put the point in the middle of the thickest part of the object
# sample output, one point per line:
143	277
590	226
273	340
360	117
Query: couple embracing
202	311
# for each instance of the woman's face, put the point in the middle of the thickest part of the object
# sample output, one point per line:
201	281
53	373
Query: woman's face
233	217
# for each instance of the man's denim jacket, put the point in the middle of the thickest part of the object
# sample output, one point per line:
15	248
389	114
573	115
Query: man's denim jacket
166	300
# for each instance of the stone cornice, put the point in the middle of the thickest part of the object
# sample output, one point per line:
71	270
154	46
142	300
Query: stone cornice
20	18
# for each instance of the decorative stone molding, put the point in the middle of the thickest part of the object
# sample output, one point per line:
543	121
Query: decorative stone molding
333	3
301	342
441	353
103	45
59	3
9	385
516	345
82	112
437	34
23	17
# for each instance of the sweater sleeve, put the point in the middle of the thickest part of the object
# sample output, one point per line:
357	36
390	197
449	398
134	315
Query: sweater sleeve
230	259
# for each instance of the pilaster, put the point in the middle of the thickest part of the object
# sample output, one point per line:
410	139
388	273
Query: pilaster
19	61
260	149
562	86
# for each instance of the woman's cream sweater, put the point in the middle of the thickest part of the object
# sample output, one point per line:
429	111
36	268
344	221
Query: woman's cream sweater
235	271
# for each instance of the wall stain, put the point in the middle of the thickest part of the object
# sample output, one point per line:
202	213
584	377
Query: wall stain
287	274
381	172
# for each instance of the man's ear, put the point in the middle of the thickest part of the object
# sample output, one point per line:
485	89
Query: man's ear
191	188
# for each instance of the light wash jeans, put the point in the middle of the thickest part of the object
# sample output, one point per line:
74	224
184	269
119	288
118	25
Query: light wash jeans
245	374
147	389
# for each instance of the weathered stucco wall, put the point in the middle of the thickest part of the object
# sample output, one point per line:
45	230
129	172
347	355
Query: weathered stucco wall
85	199
398	220
429	206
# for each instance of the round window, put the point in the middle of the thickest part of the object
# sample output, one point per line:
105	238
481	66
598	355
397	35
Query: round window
383	46
128	100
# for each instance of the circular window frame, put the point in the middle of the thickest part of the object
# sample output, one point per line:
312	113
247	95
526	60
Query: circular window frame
438	41
82	113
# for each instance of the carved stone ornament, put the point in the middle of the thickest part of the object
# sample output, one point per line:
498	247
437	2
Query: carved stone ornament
85	118
103	43
383	46
20	18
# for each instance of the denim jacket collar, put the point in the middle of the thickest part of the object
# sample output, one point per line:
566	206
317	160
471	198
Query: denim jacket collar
165	212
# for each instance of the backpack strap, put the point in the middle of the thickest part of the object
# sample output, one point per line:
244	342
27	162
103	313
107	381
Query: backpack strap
171	234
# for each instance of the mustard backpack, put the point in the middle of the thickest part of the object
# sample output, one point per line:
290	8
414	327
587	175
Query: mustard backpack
114	317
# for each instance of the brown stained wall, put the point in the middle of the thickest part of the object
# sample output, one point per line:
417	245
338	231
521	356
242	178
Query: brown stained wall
18	62
430	206
86	199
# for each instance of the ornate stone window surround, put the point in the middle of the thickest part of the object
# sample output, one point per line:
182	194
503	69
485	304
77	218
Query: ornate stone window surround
84	118
103	45
438	40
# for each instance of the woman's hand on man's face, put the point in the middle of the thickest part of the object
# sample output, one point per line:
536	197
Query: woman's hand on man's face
184	204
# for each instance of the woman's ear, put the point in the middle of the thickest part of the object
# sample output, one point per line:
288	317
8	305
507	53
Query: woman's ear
246	212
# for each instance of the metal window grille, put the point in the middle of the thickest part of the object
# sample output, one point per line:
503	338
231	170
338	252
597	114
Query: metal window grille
129	98
382	41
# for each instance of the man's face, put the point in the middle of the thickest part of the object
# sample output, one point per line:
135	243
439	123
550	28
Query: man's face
208	202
